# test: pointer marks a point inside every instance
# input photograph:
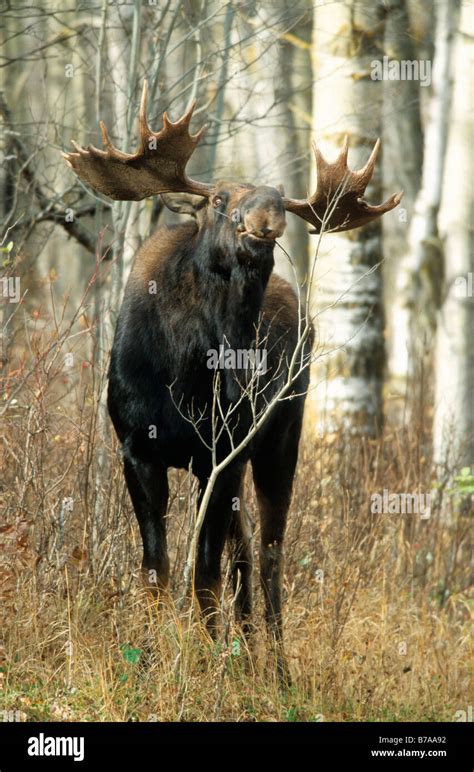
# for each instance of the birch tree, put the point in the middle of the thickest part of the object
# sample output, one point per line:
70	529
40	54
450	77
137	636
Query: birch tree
347	382
453	430
401	120
419	280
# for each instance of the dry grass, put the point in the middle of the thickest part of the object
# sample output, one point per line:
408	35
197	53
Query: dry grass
376	606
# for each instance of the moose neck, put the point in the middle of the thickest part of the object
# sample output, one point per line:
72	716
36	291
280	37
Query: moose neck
235	281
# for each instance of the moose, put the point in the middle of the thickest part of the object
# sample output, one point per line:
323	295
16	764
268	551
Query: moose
195	287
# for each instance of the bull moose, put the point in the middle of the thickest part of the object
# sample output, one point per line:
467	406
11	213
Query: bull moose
212	286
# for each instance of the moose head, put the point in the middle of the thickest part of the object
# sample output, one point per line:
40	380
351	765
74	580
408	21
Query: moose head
254	214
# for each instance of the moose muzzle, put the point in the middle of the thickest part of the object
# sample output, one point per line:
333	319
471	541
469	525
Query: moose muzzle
263	215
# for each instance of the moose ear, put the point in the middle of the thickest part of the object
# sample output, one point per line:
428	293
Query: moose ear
183	204
281	189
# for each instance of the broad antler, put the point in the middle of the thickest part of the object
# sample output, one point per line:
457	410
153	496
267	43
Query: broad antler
337	204
158	166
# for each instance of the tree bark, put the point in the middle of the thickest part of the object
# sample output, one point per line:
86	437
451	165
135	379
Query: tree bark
453	428
347	289
420	280
401	170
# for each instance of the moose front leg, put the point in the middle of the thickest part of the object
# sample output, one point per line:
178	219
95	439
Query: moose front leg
148	488
212	539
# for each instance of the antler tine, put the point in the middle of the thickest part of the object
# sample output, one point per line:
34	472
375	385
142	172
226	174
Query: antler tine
321	162
344	152
331	174
166	122
106	141
199	134
186	120
395	200
364	175
79	150
341	160
110	150
144	128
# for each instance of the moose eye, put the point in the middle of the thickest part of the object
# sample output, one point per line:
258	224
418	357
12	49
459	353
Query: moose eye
217	201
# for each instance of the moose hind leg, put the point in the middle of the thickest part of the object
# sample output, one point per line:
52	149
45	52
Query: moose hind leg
240	539
273	472
273	512
148	487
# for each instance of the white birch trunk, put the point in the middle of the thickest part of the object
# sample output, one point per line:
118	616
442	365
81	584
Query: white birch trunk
418	278
347	292
401	171
453	428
